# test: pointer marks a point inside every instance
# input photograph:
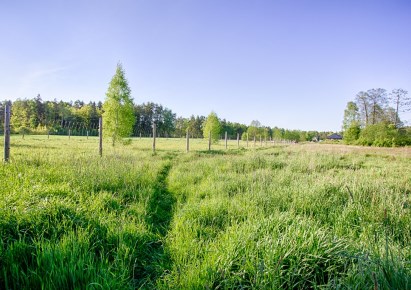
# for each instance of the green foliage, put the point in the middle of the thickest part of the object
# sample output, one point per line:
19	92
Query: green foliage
212	124
254	130
352	133
233	129
278	133
40	117
384	135
351	115
147	113
20	116
380	123
118	116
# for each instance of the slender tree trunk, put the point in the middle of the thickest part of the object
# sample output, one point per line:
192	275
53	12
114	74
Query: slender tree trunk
396	111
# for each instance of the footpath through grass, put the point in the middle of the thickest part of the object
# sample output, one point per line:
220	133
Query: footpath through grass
291	217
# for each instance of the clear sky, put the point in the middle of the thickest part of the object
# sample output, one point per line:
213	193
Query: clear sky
287	63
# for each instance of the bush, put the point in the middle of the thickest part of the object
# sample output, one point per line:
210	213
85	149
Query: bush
352	133
384	135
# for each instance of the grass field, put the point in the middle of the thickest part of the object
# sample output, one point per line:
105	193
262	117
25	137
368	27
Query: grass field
309	216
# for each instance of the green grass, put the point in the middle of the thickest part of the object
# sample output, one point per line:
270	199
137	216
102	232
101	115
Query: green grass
291	217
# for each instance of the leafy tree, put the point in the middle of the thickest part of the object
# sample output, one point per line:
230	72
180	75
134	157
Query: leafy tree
266	131
194	126
377	100
292	135
278	133
148	113
351	115
390	116
118	115
363	104
373	109
380	122
254	129
212	124
181	126
84	114
20	116
238	128
312	136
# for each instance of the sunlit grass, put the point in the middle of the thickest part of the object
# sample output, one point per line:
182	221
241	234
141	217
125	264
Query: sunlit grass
263	217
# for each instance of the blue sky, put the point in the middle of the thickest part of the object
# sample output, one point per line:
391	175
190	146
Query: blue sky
287	63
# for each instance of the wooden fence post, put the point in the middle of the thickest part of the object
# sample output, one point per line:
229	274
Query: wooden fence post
100	134
7	132
225	139
188	142
69	133
87	134
238	140
154	137
209	141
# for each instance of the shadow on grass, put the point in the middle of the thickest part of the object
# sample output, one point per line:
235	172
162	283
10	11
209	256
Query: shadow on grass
159	208
222	152
159	215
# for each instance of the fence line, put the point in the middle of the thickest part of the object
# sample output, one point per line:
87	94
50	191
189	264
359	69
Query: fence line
82	129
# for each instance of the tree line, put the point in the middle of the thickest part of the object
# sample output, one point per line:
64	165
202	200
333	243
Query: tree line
123	118
373	118
35	116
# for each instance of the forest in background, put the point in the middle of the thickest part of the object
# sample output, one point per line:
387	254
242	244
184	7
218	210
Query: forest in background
35	116
371	119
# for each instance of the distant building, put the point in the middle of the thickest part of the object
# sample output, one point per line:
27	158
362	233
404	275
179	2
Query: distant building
334	136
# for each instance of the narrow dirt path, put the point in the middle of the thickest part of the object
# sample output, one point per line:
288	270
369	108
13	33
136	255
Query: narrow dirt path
159	215
161	203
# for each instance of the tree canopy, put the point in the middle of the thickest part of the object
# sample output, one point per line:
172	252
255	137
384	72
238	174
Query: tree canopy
212	125
118	108
373	118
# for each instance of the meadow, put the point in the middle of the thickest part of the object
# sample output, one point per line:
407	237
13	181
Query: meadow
300	216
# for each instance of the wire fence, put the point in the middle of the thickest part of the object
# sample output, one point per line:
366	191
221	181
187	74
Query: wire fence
182	144
151	136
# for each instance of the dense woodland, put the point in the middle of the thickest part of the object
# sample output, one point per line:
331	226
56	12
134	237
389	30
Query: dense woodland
35	116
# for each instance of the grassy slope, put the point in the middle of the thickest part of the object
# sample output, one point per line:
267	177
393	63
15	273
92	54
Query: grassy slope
301	216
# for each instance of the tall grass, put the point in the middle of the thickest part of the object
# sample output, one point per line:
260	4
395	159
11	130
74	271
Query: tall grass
71	219
290	217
